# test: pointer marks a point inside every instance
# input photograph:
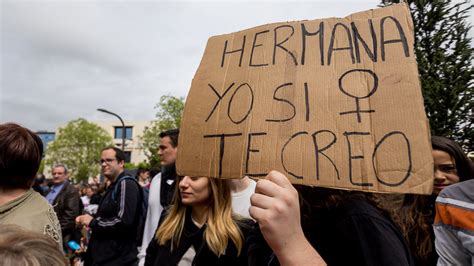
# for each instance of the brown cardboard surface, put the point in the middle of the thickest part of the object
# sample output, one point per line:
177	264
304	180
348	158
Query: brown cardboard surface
329	102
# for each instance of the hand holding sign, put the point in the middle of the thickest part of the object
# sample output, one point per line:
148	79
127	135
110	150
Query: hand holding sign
329	102
275	206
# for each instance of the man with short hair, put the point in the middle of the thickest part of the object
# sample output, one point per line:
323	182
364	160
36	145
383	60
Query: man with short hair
20	155
66	203
168	150
115	226
161	188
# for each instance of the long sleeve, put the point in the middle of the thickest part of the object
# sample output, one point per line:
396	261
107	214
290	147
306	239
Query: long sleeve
116	216
152	217
454	225
71	208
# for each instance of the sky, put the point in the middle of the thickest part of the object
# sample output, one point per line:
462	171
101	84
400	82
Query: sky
61	60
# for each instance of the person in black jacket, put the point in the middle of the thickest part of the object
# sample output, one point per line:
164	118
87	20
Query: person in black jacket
115	226
337	227
66	203
200	228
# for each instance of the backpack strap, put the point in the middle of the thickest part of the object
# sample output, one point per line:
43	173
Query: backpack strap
119	181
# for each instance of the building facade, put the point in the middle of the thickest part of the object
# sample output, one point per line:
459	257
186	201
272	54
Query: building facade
46	137
133	130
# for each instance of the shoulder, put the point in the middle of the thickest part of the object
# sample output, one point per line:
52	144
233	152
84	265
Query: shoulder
71	188
44	217
355	207
245	225
462	191
155	181
128	182
358	215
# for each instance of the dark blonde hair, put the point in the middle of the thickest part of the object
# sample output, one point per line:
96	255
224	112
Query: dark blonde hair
221	224
20	247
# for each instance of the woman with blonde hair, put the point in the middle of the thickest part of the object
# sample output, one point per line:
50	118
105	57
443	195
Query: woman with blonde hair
199	227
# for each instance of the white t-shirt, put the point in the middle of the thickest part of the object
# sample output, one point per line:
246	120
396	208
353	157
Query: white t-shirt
152	217
241	200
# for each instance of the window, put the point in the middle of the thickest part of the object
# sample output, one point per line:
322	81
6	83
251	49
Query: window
128	155
118	133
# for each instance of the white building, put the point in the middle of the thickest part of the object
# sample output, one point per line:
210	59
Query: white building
134	152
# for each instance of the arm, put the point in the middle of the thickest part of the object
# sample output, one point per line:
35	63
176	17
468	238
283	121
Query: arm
151	252
454	244
152	217
71	208
275	207
449	248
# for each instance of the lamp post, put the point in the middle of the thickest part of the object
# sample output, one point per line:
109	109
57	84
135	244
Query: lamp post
121	121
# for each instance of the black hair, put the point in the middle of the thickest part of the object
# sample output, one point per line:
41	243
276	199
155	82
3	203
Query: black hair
173	134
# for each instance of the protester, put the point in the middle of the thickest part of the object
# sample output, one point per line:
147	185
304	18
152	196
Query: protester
338	228
20	156
454	224
168	151
143	177
66	203
115	226
199	228
20	247
416	216
160	198
86	194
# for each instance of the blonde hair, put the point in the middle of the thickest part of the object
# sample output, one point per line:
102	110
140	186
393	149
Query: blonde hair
221	224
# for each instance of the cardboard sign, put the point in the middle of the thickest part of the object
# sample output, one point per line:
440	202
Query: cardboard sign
330	102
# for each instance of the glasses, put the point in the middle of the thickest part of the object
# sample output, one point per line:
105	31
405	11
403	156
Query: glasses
107	160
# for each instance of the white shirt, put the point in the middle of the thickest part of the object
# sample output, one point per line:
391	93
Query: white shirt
152	217
241	200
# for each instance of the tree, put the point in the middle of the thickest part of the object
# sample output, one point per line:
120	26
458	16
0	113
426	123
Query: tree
445	56
78	146
168	116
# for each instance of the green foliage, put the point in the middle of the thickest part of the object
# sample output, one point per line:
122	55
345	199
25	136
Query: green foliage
168	116
41	167
445	56
78	146
131	166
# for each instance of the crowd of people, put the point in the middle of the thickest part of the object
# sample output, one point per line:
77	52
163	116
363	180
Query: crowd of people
166	219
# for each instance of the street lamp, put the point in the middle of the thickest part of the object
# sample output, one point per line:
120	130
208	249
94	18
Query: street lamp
121	121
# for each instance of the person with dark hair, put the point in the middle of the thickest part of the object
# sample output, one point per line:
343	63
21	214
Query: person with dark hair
336	227
417	213
115	225
38	185
21	247
168	151
20	155
67	204
143	177
162	187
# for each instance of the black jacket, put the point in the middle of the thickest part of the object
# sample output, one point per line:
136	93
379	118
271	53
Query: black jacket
68	206
114	229
353	233
168	184
193	236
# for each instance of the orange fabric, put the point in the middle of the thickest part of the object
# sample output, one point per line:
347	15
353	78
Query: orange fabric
455	216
